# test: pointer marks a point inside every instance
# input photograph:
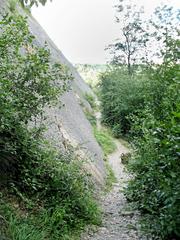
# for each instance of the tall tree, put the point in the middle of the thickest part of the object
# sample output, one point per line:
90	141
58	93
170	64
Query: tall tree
164	24
127	49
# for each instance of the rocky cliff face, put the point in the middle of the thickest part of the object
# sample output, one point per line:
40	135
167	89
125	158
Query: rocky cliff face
69	123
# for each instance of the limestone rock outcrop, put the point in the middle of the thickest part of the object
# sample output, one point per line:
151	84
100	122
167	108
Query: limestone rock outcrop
69	123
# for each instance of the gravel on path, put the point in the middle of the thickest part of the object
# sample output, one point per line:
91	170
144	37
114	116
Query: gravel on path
119	221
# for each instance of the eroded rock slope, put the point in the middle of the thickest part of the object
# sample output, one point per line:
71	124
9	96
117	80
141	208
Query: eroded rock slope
68	123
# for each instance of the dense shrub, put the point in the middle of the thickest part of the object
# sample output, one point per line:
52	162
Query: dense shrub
44	193
121	97
147	108
27	85
55	198
156	185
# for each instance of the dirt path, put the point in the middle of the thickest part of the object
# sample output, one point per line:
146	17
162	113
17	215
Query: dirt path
119	222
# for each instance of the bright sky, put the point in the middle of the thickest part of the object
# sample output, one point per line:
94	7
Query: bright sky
83	28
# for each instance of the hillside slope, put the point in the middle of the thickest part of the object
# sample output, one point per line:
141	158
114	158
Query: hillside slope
68	124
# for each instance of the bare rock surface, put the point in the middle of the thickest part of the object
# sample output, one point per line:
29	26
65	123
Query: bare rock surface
70	123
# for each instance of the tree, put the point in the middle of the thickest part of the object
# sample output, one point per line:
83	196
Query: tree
164	23
133	38
30	3
156	184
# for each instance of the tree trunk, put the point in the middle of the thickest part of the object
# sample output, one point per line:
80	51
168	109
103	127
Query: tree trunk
129	65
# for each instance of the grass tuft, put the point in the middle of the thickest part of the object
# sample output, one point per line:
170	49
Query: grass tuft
105	139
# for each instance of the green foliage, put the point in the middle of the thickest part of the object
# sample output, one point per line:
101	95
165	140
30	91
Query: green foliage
105	140
12	5
91	117
48	195
27	75
26	79
111	178
55	199
146	106
91	100
127	50
16	226
156	186
121	97
90	73
27	85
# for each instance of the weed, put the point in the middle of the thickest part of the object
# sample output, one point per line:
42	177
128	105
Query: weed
91	100
105	140
12	5
111	178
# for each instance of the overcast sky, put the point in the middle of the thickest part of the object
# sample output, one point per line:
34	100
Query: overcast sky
83	28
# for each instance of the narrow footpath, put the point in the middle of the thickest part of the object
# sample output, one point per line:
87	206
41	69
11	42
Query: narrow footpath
119	221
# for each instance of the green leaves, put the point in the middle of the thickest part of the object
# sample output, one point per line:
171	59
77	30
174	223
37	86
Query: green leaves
55	195
127	50
146	107
28	83
121	97
27	76
156	186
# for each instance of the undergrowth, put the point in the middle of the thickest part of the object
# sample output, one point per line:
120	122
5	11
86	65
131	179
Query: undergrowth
91	117
111	178
55	201
91	100
105	140
145	107
45	194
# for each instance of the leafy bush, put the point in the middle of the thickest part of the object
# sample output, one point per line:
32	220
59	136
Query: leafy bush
147	107
56	198
121	97
45	193
156	185
27	85
12	5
